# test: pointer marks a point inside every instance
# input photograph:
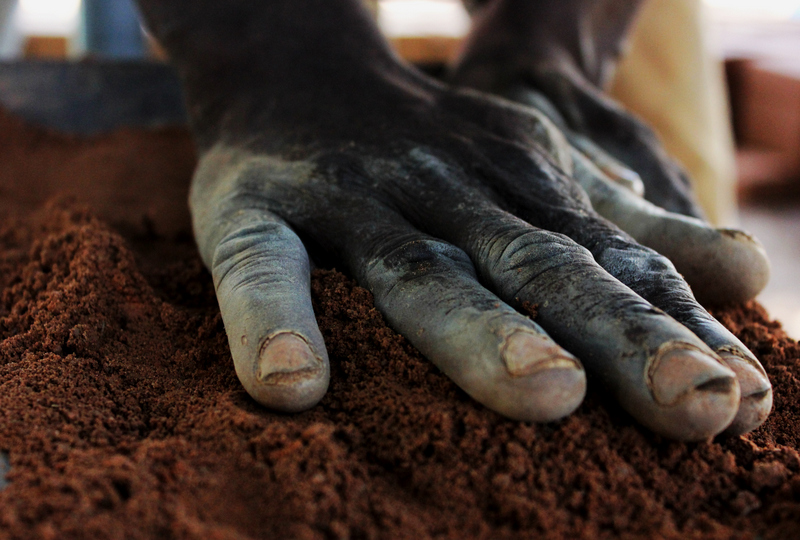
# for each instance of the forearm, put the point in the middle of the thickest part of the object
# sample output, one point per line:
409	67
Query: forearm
301	54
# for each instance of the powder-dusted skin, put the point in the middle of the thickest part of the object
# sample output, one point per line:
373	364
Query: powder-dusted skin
122	417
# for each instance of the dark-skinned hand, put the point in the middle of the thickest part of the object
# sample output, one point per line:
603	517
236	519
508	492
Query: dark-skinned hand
454	208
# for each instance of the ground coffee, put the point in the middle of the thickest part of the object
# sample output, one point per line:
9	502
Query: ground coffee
121	415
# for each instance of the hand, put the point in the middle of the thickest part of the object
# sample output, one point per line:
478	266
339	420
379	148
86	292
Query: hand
453	208
555	57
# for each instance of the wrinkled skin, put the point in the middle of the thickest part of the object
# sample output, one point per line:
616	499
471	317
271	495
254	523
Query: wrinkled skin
453	207
557	57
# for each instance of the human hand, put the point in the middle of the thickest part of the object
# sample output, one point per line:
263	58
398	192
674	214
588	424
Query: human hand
555	58
453	208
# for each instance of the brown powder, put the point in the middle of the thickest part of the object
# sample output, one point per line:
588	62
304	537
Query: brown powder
530	309
121	415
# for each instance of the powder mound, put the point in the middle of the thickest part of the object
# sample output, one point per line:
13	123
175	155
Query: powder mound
121	415
120	411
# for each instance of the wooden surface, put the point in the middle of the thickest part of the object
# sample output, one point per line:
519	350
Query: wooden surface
50	47
426	50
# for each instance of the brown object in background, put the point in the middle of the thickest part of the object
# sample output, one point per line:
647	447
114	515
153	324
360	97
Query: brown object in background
45	47
122	417
765	105
426	50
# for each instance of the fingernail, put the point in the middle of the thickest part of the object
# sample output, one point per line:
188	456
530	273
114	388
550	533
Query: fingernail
678	372
630	180
526	353
751	379
739	235
756	389
287	359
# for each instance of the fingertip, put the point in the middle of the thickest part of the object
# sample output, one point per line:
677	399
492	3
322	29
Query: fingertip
696	397
547	382
706	411
287	375
756	401
679	371
554	393
745	268
753	411
723	266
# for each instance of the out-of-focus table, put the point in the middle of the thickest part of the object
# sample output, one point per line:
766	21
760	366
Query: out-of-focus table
763	64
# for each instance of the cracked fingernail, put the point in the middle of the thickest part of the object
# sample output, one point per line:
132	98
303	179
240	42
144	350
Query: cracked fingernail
286	359
678	372
756	401
526	353
751	379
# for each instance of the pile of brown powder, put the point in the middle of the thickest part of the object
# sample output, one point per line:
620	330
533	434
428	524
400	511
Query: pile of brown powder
121	415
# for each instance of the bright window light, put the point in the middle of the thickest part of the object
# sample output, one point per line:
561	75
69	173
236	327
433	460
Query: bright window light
751	9
48	17
401	18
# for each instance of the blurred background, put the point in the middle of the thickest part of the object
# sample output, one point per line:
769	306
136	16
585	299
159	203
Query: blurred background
723	93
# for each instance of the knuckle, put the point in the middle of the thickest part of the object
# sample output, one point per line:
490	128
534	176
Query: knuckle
515	262
424	265
647	272
266	253
421	261
629	258
423	255
533	248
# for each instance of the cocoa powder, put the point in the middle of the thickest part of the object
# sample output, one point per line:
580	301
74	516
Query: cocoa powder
121	415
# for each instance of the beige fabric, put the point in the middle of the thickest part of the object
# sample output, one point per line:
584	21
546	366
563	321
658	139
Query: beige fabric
670	78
